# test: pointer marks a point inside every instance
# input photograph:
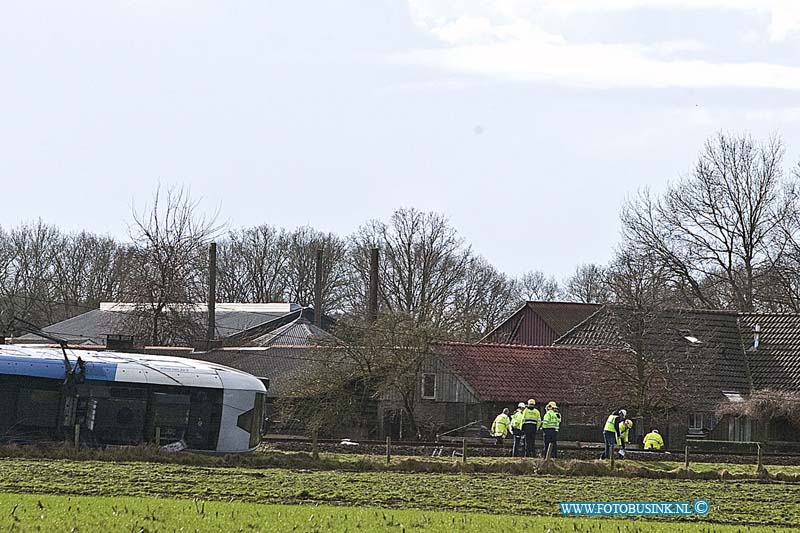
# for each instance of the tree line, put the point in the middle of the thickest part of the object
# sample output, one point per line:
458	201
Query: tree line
428	272
725	235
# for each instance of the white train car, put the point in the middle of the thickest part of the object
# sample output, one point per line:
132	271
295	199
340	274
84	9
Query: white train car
126	398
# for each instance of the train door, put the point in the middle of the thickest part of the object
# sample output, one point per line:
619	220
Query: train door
205	412
169	416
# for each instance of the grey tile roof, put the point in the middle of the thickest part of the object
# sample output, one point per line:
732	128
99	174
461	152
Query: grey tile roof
680	340
599	329
289	369
300	332
93	326
776	362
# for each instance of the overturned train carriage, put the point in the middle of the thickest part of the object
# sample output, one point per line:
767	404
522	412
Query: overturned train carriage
123	398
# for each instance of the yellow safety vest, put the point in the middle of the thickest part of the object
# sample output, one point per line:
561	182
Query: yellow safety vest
530	416
610	423
551	420
500	425
623	433
516	419
653	441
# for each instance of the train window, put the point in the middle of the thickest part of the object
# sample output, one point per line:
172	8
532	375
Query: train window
245	420
257	421
204	417
119	420
252	420
38	408
171	414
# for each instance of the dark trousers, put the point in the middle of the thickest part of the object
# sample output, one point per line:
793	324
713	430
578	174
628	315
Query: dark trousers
518	450
610	438
529	430
551	440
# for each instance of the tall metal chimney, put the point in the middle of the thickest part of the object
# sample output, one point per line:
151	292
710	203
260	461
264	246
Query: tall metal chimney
372	302
212	293
318	291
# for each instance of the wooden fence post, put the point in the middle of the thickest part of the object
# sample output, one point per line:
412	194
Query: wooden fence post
686	457
464	450
158	435
314	445
77	441
760	465
388	449
613	451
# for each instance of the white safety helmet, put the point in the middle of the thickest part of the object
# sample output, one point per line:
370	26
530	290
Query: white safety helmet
521	405
623	412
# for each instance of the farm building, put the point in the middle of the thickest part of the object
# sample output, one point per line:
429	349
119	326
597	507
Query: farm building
702	359
687	365
290	357
469	384
540	323
235	323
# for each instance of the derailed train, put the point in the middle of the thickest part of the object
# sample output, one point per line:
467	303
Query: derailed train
124	398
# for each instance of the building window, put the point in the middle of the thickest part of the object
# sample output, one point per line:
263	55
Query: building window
428	386
696	422
740	429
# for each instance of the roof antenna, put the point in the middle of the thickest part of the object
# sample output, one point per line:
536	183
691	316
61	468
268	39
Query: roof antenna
26	326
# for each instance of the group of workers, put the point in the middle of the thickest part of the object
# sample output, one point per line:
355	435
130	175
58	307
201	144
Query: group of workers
527	420
524	424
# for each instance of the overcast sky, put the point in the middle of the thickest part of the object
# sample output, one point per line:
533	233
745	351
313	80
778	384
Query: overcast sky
526	122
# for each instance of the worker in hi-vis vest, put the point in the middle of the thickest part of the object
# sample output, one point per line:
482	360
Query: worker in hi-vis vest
531	421
550	425
518	449
653	441
624	432
611	431
500	426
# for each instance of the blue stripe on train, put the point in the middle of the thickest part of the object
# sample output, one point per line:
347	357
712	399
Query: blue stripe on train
53	369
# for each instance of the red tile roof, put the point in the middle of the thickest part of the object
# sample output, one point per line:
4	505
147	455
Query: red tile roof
563	316
513	373
540	323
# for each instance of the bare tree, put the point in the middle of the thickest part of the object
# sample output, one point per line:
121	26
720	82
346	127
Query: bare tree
301	268
390	354
252	265
535	286
168	266
86	271
483	299
368	361
719	229
27	268
423	262
639	279
588	285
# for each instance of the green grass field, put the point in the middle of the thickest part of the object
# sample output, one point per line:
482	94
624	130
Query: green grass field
27	512
739	502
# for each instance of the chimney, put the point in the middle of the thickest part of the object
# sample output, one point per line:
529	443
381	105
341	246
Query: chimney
318	290
212	293
120	343
372	300
756	334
